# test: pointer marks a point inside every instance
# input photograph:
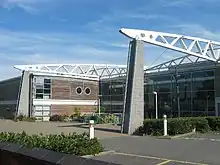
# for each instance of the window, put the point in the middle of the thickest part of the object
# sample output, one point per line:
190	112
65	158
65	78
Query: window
39	90
46	91
202	74
39	96
203	85
79	90
42	88
87	90
47	86
47	81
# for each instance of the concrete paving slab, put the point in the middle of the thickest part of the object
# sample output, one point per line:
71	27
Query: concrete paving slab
101	131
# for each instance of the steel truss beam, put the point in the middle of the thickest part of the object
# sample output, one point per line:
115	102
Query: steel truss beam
193	46
86	71
190	61
196	50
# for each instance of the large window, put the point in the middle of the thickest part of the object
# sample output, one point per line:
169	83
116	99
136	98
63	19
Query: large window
42	88
192	91
112	95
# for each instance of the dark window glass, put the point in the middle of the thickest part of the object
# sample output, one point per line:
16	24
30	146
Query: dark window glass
116	108
39	96
185	101
161	78
117	87
47	86
87	91
165	87
105	88
47	81
47	91
202	74
117	97
117	91
184	86
203	85
106	98
78	90
39	90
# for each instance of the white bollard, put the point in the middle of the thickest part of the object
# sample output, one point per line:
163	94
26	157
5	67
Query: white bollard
91	129
165	124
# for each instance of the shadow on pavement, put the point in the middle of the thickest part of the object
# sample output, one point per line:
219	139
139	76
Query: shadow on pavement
99	127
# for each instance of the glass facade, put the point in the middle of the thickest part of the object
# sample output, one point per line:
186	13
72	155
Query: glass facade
191	93
112	94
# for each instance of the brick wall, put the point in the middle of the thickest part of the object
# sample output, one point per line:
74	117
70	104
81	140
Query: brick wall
69	109
66	89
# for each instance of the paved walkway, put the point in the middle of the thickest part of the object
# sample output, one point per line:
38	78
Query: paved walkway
162	151
57	128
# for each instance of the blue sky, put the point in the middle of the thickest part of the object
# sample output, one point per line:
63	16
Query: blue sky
86	31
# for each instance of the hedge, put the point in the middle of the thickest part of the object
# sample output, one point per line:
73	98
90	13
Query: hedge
180	125
214	123
102	119
77	144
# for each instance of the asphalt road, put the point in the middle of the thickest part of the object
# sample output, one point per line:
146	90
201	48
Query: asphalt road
175	151
130	159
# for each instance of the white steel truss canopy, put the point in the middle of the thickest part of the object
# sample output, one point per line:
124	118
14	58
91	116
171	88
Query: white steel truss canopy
196	50
193	46
187	61
85	71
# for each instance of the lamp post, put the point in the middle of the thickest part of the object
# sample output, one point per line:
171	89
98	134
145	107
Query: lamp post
207	105
177	90
99	104
156	105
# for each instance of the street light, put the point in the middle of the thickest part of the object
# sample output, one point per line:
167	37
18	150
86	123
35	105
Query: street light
207	105
99	104
176	76
156	105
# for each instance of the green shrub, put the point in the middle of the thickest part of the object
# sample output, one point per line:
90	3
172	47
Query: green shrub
55	117
214	123
76	113
175	126
200	123
105	119
153	127
58	117
102	110
179	126
24	118
77	144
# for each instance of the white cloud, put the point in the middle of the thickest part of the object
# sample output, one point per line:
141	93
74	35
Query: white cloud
18	48
30	6
110	22
196	30
33	48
